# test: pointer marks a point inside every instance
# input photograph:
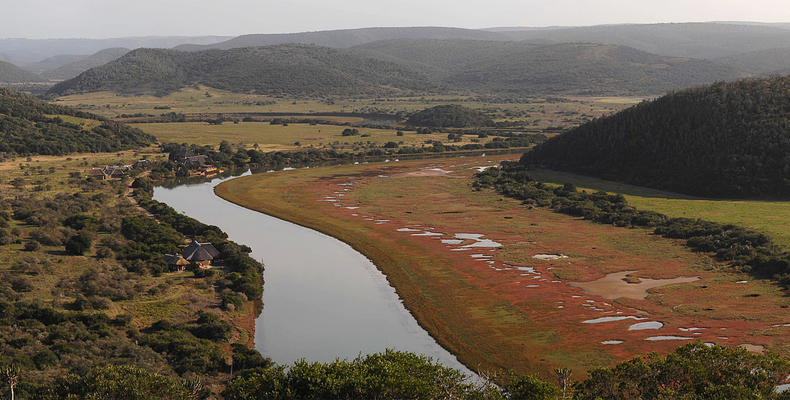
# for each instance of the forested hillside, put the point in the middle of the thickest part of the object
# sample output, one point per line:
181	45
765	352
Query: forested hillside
403	67
279	70
30	126
534	67
724	140
10	73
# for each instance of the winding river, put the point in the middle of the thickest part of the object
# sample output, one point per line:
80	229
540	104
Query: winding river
323	300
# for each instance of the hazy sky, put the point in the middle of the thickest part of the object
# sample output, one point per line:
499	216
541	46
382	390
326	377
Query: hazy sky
113	18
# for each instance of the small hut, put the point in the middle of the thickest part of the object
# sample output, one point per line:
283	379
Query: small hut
176	262
200	255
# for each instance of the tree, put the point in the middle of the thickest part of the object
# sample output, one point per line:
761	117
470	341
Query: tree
10	377
78	244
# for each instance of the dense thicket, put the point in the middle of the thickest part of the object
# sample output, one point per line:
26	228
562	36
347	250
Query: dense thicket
728	139
30	126
449	116
277	70
745	250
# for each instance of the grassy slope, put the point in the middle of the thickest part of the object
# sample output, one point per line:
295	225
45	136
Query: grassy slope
769	217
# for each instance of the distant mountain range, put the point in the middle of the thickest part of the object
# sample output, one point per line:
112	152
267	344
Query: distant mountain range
403	66
28	51
81	64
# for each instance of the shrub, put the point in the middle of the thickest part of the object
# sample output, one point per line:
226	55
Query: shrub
78	244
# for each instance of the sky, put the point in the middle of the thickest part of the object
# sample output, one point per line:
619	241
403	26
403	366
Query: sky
119	18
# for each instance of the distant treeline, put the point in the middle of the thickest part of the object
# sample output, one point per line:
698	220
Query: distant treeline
31	126
724	140
743	249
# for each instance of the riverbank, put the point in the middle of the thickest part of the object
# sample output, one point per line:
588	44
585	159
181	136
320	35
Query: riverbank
506	307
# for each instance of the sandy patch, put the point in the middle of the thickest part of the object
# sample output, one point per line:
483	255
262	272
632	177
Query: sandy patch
613	286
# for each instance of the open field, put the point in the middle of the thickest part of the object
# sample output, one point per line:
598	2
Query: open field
535	113
279	137
769	217
494	282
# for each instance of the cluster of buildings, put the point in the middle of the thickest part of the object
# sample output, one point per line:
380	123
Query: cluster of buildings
196	255
196	162
117	171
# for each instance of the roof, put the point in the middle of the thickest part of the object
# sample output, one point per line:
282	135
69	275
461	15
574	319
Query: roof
199	252
174	259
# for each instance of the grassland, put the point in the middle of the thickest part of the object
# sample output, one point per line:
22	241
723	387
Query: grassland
279	137
535	113
491	311
769	217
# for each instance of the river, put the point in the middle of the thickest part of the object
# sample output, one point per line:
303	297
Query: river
323	300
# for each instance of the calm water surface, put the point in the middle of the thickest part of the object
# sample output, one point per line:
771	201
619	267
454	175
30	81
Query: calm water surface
322	299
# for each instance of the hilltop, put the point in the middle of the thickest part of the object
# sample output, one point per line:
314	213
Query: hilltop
723	140
424	66
699	40
80	64
345	38
10	73
280	70
30	126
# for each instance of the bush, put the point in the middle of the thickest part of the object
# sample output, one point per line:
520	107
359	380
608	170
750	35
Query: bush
32	245
78	244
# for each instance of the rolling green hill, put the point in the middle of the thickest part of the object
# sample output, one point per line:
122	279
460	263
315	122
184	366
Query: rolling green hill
403	67
10	73
31	126
534	67
279	70
81	64
724	140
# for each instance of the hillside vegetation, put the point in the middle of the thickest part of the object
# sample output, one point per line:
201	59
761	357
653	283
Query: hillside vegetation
533	67
724	140
10	73
449	116
30	126
277	70
403	67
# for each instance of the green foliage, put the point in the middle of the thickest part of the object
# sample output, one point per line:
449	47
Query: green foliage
78	244
449	116
118	382
694	371
389	375
530	388
724	140
28	127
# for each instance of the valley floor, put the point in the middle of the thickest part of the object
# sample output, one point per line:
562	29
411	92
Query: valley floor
504	286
